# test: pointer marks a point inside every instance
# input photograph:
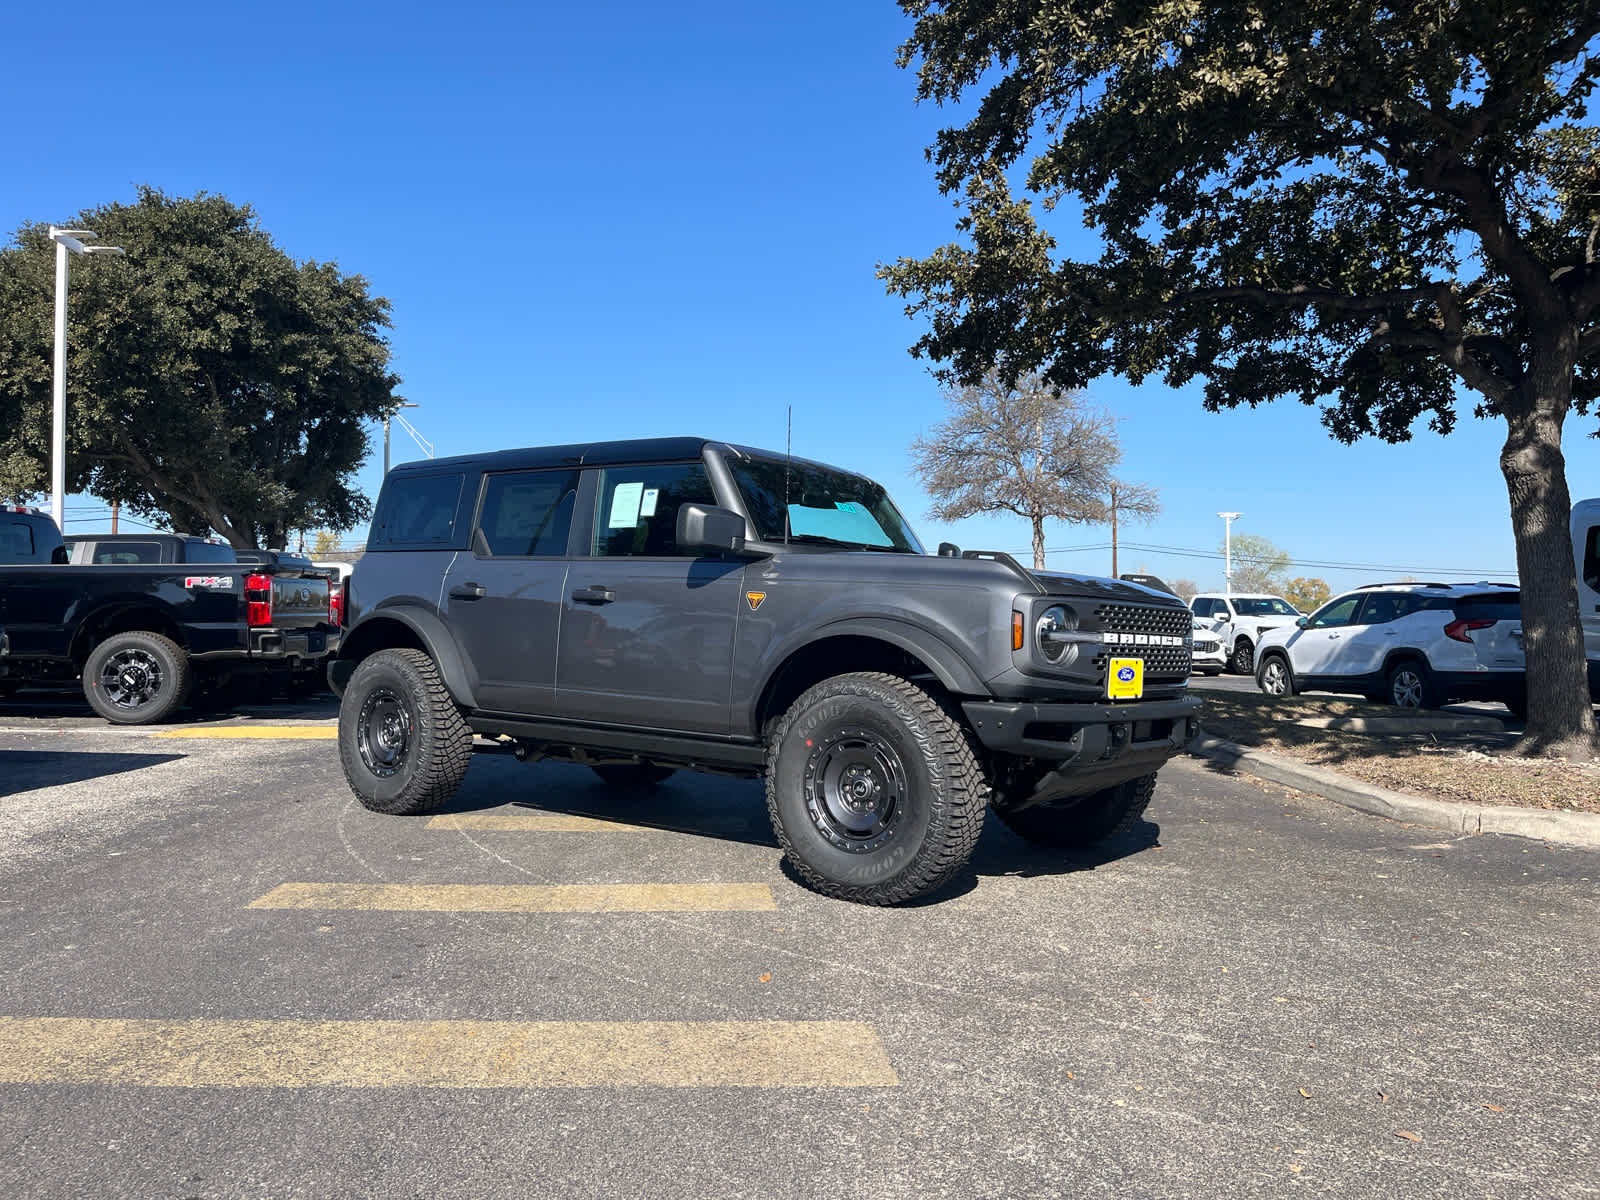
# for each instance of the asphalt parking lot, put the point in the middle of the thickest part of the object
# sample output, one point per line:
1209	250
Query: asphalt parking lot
223	977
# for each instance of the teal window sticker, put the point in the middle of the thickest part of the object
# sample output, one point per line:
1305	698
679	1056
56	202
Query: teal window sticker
846	521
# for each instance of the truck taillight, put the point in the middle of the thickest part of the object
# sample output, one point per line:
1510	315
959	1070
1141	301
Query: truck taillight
1460	630
258	599
336	604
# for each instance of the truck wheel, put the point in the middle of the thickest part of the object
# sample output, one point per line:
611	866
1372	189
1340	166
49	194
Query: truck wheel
873	789
634	775
136	678
1244	657
1082	821
402	741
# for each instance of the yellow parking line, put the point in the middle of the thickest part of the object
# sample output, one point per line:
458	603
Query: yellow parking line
443	1054
523	898
325	733
530	822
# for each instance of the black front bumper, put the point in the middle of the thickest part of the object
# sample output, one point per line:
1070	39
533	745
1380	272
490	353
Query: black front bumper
1087	746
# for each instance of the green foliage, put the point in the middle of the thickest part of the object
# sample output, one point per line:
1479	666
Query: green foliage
212	382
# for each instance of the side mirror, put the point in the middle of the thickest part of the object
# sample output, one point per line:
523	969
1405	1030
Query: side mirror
707	527
1303	622
949	550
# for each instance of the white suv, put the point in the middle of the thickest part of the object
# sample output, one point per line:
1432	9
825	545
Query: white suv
1240	619
1416	645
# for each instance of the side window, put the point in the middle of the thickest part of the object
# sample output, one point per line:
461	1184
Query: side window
209	552
128	553
1331	616
417	510
527	513
1591	558
636	512
19	542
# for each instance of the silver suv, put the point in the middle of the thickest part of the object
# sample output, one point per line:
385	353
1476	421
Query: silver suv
1415	645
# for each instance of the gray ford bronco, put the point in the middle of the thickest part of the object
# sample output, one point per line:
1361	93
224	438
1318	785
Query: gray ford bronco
643	607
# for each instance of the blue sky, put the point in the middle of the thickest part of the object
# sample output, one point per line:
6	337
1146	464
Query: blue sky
642	219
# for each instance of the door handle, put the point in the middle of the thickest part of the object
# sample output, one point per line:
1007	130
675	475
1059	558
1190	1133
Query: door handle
468	591
594	595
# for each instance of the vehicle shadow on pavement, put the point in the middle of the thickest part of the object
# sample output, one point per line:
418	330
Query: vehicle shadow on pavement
29	770
1001	852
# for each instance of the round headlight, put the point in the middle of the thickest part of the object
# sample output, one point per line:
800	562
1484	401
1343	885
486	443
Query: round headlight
1050	632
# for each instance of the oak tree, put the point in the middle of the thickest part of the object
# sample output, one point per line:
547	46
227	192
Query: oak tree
1387	211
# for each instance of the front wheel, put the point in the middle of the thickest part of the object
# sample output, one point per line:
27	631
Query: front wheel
1082	821
873	789
1274	678
402	741
136	678
1411	685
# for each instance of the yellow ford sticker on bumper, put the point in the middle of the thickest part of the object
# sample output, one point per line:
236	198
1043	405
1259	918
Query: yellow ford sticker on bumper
1125	679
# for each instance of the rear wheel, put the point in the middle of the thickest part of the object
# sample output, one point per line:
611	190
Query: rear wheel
1082	821
873	789
402	741
636	775
1274	677
1411	685
136	678
1244	656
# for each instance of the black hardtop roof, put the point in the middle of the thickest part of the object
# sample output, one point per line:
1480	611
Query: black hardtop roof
588	454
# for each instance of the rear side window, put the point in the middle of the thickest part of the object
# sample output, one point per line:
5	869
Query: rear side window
1506	607
128	552
527	513
208	552
418	511
636	513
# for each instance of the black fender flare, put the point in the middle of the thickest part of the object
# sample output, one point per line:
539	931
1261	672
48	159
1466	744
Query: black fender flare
368	635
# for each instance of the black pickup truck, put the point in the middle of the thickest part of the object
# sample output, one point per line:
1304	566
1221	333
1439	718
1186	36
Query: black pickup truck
141	635
646	606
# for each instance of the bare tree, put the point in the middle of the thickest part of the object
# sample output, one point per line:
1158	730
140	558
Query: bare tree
1030	449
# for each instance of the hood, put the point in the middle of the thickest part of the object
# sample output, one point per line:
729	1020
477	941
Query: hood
1109	589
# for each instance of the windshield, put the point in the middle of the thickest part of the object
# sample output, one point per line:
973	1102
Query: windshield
1272	607
812	504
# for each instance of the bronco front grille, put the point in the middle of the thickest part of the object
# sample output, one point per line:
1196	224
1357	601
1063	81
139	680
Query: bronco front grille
1157	633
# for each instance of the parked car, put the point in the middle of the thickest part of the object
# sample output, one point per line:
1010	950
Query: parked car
126	549
643	607
1208	655
1415	645
1240	619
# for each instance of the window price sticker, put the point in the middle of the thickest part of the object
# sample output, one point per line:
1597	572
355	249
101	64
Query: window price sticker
1125	679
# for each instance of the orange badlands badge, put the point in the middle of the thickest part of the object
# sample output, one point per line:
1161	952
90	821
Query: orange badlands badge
754	599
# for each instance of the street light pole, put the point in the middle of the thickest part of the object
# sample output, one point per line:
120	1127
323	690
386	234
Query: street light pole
65	240
1228	519
403	404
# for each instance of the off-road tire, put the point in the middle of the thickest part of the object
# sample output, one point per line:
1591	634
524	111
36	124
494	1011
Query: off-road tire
1243	659
873	789
402	741
1082	821
633	775
1411	685
1274	677
136	678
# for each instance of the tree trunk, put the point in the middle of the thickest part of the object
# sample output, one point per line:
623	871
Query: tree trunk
1038	543
1560	715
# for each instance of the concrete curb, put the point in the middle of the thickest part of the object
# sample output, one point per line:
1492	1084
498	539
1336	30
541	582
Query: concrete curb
1457	724
1569	828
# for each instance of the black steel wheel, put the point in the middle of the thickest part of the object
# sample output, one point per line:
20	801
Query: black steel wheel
1082	821
136	678
633	775
1411	685
1274	677
402	741
873	789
